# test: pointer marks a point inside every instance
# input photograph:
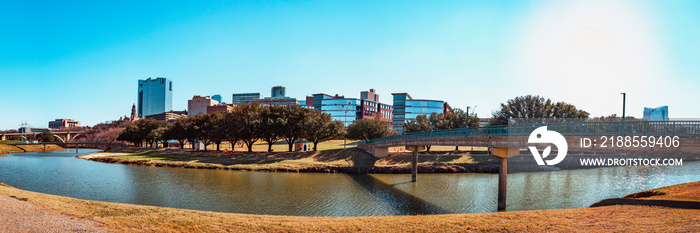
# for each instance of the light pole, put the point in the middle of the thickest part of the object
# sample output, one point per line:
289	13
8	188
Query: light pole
468	116
345	120
624	97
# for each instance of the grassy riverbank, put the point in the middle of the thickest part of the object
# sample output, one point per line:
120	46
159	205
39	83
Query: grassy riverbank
350	160
11	149
617	218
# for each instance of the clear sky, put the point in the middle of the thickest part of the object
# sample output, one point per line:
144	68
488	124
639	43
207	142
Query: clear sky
82	59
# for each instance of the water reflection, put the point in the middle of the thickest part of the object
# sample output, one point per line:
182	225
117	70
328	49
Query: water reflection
402	202
320	194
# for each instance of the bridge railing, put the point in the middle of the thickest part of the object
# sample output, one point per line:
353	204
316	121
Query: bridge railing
684	129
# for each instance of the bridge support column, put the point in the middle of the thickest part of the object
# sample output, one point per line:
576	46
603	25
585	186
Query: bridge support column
381	152
503	153
4	137
414	163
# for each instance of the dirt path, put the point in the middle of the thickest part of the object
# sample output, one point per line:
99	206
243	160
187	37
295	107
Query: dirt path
22	216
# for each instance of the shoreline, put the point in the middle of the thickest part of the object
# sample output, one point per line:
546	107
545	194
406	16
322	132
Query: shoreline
623	217
362	162
14	149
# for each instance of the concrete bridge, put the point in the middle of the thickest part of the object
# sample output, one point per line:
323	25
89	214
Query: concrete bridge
503	142
66	136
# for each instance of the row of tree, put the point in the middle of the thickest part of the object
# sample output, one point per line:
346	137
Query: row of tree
248	123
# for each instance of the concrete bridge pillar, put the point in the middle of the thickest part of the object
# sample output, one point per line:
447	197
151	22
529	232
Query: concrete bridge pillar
4	137
381	152
414	163
503	153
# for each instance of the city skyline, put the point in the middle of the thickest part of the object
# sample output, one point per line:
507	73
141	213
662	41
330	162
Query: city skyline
82	62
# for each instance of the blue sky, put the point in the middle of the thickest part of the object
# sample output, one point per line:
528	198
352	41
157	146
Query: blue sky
82	59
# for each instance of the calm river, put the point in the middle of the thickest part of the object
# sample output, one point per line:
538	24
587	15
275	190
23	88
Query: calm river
321	194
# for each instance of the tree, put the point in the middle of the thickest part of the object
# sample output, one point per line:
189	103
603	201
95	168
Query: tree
178	131
368	129
158	135
434	121
322	127
245	118
295	123
145	127
418	124
272	123
214	128
45	136
534	107
131	134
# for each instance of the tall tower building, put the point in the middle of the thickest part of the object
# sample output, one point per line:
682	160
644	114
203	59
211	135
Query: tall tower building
154	96
277	92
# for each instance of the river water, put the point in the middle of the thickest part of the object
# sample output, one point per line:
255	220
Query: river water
324	194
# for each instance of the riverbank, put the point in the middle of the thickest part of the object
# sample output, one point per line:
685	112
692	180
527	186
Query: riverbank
11	149
350	160
119	217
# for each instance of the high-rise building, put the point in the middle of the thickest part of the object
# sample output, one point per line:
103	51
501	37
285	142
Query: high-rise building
277	92
63	123
198	105
154	96
242	98
348	110
217	97
369	95
656	114
407	108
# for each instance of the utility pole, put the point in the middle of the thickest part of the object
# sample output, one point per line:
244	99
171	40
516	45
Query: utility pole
624	97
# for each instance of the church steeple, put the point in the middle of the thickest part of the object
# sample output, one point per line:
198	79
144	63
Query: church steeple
133	113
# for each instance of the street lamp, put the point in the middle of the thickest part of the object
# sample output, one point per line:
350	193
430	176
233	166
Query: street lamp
624	97
345	120
468	116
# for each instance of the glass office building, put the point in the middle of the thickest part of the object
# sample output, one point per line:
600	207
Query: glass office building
242	98
154	96
656	114
407	108
277	92
344	110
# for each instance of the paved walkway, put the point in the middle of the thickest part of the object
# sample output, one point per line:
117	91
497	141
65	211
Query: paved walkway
22	216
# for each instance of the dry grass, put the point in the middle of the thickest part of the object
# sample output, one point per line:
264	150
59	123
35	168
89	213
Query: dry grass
282	146
39	148
681	192
9	149
137	218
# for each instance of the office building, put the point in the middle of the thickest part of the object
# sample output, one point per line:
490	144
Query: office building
217	97
277	92
169	116
277	101
32	130
154	96
407	108
63	123
242	98
348	110
656	114
369	95
220	108
198	105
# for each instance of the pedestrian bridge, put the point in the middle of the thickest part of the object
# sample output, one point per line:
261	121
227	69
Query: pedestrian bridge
687	134
677	137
